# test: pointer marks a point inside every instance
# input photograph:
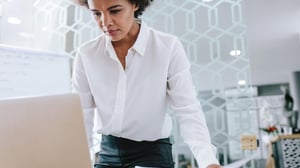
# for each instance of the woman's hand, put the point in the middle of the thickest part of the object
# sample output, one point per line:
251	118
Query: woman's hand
213	166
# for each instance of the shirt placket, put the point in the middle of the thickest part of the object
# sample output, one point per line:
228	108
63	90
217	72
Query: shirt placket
121	95
120	102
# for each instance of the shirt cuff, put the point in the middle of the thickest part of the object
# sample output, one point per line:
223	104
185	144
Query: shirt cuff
89	125
204	153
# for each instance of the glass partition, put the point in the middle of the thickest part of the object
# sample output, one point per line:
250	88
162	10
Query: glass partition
214	36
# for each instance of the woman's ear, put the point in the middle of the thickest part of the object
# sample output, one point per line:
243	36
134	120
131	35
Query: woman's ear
136	7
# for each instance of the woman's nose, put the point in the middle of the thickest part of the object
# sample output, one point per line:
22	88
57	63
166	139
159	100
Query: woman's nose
106	20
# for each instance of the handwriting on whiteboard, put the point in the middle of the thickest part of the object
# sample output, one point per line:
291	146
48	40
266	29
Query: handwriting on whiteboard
25	72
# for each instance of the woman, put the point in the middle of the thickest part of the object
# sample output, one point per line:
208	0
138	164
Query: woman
130	74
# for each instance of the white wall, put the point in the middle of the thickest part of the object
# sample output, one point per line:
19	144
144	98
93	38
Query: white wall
273	39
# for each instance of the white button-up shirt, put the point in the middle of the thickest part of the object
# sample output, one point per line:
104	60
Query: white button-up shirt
132	103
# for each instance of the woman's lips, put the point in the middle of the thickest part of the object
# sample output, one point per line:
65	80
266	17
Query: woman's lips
111	32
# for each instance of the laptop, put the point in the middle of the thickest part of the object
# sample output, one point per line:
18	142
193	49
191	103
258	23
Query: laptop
43	131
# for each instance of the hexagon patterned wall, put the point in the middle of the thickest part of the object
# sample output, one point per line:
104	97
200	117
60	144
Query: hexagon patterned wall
214	36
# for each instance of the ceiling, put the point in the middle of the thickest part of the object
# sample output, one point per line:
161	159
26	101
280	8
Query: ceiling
273	34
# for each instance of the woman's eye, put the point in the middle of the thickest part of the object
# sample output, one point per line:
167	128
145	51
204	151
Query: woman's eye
115	11
96	13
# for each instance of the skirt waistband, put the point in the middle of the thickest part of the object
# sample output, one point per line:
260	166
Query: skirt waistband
127	142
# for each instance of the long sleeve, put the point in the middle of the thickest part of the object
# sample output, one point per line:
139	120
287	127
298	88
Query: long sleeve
187	109
80	85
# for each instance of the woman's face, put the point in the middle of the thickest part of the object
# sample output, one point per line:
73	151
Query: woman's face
114	17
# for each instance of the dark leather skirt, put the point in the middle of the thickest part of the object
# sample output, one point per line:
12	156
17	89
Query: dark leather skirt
118	152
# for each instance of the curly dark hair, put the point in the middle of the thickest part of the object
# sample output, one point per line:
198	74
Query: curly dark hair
142	4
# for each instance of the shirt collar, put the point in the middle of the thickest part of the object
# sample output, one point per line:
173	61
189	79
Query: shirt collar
142	39
109	49
141	42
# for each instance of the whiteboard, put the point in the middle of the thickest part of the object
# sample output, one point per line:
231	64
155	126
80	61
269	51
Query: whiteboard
27	72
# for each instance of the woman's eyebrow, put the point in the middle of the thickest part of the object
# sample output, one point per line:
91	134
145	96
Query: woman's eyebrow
114	6
110	8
